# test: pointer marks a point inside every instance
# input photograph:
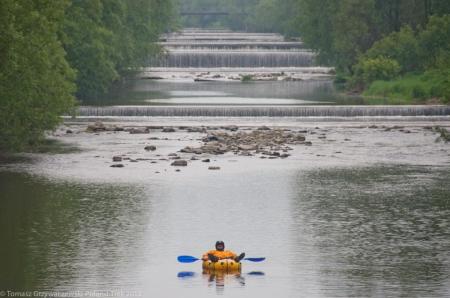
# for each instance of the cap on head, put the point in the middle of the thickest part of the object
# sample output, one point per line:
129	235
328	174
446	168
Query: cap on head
220	245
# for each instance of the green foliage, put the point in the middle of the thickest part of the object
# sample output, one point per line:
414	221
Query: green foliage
401	46
341	30
379	68
412	88
246	78
426	52
89	47
352	25
441	87
46	46
244	15
444	134
105	39
235	20
36	82
275	16
434	42
317	28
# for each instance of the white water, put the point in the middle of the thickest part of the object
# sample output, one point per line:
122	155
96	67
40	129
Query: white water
266	111
197	48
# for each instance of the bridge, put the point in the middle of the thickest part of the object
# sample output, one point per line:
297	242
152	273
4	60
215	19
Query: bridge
212	13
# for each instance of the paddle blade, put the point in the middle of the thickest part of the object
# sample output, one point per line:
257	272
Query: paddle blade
187	259
186	274
255	259
256	273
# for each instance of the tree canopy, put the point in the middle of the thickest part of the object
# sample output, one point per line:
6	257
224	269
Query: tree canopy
51	51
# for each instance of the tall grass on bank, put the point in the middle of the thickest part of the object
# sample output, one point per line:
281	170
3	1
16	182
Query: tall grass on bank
431	87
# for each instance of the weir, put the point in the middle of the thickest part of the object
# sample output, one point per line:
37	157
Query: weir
232	45
264	111
235	58
213	49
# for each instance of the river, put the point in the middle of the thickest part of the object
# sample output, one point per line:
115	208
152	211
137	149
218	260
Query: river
363	212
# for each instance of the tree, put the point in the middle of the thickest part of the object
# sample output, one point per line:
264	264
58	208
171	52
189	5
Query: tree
89	45
105	39
402	46
316	19
36	82
46	45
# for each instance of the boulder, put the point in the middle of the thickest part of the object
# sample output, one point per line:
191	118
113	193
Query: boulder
231	128
168	129
210	138
117	158
187	150
300	138
248	147
117	166
96	127
139	130
150	148
179	163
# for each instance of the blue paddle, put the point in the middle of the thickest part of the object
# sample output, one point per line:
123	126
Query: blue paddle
191	259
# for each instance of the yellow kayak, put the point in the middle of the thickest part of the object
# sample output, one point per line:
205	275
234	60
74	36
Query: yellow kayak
226	265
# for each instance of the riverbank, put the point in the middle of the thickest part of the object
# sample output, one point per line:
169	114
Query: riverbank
411	89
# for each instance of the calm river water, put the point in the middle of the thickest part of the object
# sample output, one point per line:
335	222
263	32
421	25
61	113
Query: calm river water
364	212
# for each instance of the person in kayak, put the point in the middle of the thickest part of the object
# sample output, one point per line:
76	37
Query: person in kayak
220	253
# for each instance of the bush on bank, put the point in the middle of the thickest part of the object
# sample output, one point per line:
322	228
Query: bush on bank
408	65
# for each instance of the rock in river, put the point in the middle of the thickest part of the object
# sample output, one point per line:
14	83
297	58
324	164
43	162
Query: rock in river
117	158
117	166
179	163
168	129
139	130
96	127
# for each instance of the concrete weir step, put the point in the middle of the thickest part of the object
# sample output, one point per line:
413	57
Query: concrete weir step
264	111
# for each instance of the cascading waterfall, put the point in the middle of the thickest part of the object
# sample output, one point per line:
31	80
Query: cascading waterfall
265	111
230	49
235	58
233	45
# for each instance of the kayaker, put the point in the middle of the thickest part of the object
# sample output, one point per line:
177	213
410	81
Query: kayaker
220	253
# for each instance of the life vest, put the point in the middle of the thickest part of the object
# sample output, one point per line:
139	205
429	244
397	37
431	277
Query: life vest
226	254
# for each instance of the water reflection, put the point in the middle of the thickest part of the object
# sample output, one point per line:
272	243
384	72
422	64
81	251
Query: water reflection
220	280
58	235
340	232
375	231
144	92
